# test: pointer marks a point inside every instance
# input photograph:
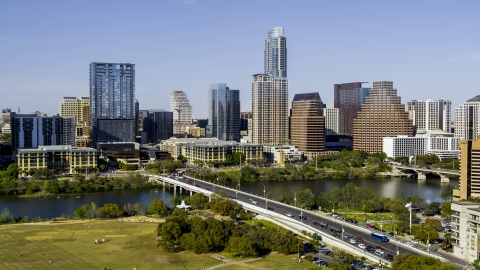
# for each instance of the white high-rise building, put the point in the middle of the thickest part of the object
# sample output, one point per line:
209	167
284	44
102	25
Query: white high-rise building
467	119
430	115
182	111
269	109
276	53
332	120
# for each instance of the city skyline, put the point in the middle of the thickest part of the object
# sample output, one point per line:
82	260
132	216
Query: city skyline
430	50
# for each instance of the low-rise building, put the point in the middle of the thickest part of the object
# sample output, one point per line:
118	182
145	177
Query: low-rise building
444	145
196	131
281	153
61	158
209	149
465	230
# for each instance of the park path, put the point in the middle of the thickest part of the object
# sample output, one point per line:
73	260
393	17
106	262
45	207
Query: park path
228	262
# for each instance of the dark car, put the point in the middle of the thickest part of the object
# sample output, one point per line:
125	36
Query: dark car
323	225
370	249
389	257
270	208
302	217
316	223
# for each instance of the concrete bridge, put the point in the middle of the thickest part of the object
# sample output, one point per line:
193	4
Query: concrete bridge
422	171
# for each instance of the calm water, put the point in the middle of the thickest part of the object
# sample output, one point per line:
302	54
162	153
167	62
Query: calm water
51	207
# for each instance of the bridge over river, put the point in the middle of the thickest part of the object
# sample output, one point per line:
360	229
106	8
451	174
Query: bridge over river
423	171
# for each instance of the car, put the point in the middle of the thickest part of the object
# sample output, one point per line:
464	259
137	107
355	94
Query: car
325	251
362	245
332	230
370	249
270	208
288	215
378	252
379	248
254	202
353	241
345	236
359	239
389	257
316	223
323	225
414	242
336	235
409	244
354	221
302	217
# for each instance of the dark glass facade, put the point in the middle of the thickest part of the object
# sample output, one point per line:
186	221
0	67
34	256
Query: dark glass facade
224	113
348	98
158	126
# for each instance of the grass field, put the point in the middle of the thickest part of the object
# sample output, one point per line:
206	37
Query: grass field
70	245
279	261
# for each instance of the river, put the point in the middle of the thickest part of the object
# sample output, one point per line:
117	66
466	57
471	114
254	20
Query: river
51	207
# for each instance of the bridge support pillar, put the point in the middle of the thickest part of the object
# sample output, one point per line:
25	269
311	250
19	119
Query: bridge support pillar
191	193
444	179
421	176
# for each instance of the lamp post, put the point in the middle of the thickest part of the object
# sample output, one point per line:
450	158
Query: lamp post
394	237
364	214
301	212
214	184
295	199
409	206
428	241
263	190
391	223
333	207
236	191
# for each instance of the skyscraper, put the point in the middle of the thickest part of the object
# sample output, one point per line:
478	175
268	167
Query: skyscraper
223	113
430	115
276	53
158	125
112	102
182	111
382	115
307	124
467	119
270	109
348	98
332	121
469	182
72	106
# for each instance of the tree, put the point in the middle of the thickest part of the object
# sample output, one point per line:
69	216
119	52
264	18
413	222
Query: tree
341	260
170	233
111	210
446	209
140	208
305	197
81	212
425	233
176	201
434	223
158	207
447	193
182	158
241	245
408	262
6	216
197	200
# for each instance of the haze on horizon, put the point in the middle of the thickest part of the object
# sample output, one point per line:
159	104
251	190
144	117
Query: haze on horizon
429	49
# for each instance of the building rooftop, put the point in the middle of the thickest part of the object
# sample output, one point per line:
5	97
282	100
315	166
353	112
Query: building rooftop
474	99
465	203
307	96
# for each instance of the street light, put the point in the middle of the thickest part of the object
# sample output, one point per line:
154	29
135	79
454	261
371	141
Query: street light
333	207
409	206
395	233
381	226
391	223
263	190
364	214
214	184
295	199
236	192
428	241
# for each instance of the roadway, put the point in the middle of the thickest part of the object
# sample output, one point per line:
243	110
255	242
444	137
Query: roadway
424	169
280	208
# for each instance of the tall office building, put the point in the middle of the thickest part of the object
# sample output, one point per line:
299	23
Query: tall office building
157	125
382	115
112	102
223	113
467	119
469	182
30	131
244	120
72	106
348	98
430	115
307	124
332	120
182	111
269	109
276	53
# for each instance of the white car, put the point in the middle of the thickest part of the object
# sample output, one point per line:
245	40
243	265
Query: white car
414	242
254	202
362	246
288	215
353	241
379	251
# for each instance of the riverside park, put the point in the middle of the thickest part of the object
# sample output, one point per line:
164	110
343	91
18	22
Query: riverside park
127	244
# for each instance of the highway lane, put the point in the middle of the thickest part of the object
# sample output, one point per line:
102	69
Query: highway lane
279	208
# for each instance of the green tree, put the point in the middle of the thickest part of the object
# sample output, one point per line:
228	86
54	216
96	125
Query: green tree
197	200
81	212
182	158
140	208
176	201
434	223
425	233
447	193
6	216
446	209
408	262
305	197
242	246
111	210
158	207
341	260
169	233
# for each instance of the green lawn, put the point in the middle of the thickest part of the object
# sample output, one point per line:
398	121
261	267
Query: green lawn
280	261
70	245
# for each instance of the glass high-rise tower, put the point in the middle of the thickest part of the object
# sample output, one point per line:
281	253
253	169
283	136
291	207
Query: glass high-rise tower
112	102
223	113
276	53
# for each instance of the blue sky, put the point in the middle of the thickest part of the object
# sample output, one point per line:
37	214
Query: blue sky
429	49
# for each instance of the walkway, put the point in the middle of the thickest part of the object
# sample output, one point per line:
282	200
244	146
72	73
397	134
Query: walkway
228	262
